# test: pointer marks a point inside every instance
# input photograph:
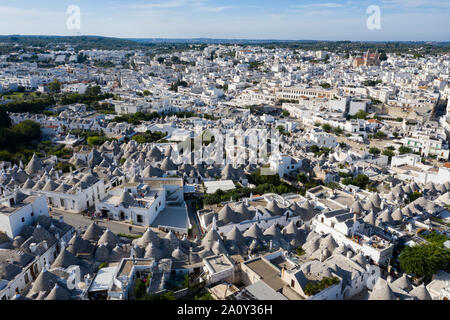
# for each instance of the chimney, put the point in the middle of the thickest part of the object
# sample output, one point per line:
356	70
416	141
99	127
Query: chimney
33	247
63	245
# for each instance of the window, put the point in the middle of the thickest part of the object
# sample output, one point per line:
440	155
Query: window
292	283
23	219
32	214
26	278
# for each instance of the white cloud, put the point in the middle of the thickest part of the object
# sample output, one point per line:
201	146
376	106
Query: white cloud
319	5
11	12
166	4
216	9
417	3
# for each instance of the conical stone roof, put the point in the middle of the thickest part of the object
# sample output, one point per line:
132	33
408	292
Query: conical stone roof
403	283
93	232
34	166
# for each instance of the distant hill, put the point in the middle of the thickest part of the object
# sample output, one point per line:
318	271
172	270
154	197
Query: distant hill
81	42
108	43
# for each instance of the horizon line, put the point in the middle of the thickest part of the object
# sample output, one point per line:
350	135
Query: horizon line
208	38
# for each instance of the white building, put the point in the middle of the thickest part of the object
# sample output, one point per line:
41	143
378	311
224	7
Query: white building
284	164
18	210
352	233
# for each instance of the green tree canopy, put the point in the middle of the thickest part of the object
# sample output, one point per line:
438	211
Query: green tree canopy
5	120
403	150
54	86
361	114
424	260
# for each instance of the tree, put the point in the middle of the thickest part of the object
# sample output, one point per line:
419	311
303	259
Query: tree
403	150
338	131
380	135
424	260
389	153
28	129
54	86
5	120
314	148
374	150
325	85
326	127
302	177
286	113
81	58
140	289
361	114
342	145
93	91
96	140
414	196
361	180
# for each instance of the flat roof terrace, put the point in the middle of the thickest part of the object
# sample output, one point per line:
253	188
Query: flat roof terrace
267	273
218	263
172	217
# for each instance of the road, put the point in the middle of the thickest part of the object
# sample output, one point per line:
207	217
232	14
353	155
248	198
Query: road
193	219
78	220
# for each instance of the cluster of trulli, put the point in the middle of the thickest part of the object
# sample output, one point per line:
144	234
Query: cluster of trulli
37	177
159	246
400	289
49	285
101	245
254	239
35	240
148	160
107	156
17	175
153	245
242	211
320	247
392	209
325	253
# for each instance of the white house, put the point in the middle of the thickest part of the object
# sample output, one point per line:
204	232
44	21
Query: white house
18	210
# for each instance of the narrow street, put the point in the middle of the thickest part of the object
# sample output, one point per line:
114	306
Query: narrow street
193	219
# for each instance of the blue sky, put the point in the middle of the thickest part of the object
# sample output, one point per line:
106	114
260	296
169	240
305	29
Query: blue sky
243	19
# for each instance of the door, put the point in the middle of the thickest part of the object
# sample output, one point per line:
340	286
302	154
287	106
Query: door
33	275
